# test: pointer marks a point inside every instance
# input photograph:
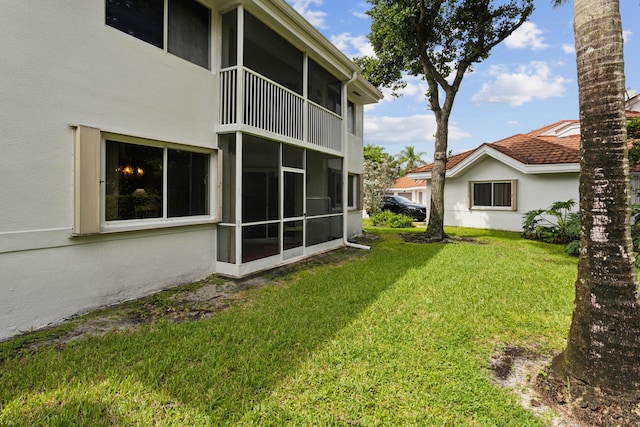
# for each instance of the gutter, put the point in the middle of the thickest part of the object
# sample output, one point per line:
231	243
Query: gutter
345	174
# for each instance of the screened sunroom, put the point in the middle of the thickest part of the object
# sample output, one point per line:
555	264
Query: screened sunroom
287	115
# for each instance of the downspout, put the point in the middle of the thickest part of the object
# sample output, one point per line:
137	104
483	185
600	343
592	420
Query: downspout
345	173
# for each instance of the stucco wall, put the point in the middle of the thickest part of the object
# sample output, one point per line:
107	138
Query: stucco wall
533	192
62	65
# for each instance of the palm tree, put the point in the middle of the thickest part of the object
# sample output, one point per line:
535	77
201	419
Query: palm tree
603	347
409	159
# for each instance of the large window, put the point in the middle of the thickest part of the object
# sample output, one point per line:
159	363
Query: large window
324	88
270	55
145	181
189	24
499	194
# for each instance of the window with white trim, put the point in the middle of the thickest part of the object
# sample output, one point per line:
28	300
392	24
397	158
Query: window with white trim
160	181
188	25
130	183
493	195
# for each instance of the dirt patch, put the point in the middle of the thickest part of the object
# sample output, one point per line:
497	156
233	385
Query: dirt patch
423	238
190	303
193	302
516	368
551	398
589	406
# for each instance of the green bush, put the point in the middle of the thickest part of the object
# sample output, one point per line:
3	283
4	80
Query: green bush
559	225
556	224
391	220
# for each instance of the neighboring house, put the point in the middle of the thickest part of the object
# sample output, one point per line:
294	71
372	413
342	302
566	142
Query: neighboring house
414	190
154	142
633	104
493	185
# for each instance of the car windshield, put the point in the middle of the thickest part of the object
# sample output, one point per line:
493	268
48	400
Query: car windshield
402	199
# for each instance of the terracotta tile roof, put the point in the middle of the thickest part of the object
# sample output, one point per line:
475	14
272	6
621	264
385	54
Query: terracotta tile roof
538	147
406	182
557	143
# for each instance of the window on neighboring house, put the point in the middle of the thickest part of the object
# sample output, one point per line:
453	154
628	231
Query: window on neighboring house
498	194
189	25
150	181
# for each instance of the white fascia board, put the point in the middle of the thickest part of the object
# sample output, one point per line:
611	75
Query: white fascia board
419	175
485	150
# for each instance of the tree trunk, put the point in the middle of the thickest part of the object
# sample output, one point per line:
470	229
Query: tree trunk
603	348
435	227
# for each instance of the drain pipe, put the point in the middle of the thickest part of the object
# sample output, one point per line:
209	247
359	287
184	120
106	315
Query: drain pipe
345	175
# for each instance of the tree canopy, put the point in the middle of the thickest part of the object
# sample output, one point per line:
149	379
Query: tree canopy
439	40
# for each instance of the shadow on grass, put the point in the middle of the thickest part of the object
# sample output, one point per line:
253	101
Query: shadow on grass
213	370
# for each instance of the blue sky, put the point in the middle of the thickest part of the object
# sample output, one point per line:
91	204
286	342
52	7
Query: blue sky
528	81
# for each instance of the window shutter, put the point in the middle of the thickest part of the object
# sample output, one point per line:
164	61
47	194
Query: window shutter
86	181
514	194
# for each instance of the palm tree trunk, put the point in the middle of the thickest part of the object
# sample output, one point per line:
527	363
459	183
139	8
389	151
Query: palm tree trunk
603	348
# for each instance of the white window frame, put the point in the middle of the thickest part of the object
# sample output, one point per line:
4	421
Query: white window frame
165	34
164	220
89	184
514	194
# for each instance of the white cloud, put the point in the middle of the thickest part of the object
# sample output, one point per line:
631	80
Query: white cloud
529	82
626	35
527	36
409	130
569	49
304	8
353	46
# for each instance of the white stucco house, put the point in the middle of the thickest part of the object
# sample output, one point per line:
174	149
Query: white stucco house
493	185
147	143
414	190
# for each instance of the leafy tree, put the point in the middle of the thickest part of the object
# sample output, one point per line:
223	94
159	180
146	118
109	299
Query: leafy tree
379	174
602	356
439	40
376	154
633	133
409	159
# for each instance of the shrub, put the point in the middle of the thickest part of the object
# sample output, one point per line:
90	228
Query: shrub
391	220
556	224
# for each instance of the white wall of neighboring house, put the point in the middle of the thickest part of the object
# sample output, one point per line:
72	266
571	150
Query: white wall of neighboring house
534	191
415	194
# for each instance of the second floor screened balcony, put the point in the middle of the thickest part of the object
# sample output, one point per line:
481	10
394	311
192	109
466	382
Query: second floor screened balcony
268	84
261	103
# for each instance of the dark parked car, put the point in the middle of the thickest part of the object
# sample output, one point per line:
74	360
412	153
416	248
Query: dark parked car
404	206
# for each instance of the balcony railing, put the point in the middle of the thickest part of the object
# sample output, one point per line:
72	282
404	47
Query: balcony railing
271	107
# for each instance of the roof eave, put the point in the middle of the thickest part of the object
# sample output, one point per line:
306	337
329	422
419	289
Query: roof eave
486	150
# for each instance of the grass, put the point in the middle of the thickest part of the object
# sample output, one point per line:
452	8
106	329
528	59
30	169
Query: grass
399	335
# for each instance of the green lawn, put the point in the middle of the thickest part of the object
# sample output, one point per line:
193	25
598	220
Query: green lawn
399	335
